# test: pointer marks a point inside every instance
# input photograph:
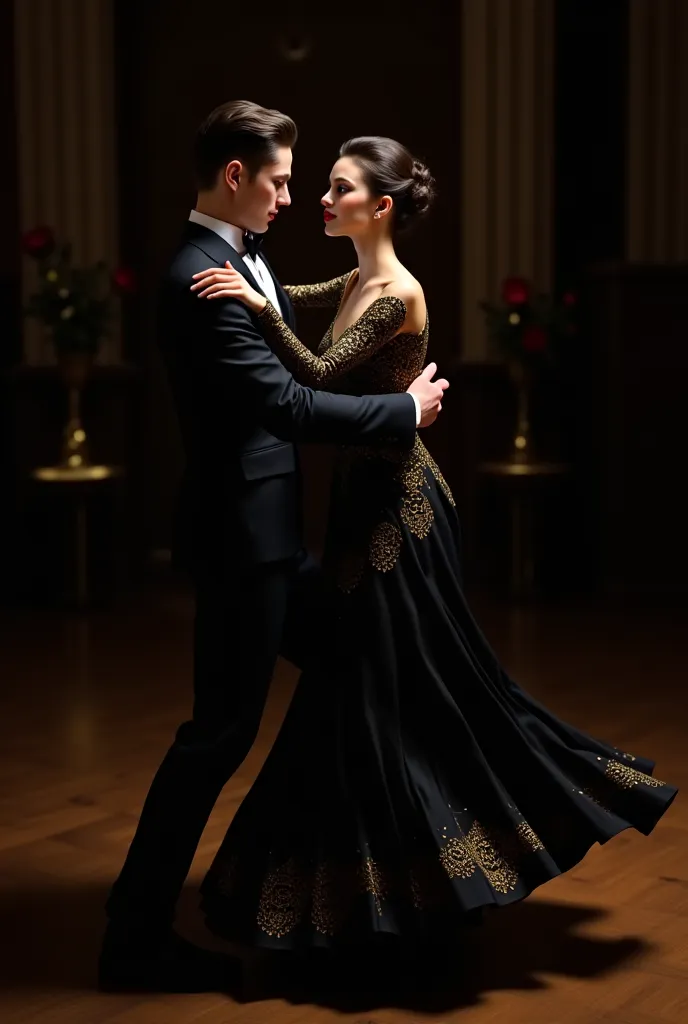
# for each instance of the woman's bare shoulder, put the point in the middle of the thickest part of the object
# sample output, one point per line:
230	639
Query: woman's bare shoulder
405	287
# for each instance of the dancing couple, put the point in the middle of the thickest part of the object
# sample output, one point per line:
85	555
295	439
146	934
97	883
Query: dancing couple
412	783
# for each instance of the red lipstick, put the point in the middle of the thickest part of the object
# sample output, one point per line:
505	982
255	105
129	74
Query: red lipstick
329	216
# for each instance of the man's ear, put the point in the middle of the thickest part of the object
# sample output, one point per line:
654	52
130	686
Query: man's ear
233	172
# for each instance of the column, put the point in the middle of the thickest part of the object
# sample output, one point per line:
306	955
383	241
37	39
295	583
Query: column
507	152
657	195
67	129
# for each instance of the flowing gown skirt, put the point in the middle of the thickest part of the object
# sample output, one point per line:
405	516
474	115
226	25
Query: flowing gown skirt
412	779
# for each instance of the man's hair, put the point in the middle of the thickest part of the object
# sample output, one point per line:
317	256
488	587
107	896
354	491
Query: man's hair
239	130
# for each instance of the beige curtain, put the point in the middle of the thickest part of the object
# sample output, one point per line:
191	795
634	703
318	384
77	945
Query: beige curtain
657	206
66	134
507	152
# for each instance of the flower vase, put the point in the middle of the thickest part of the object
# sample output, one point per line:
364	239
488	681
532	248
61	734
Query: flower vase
522	442
74	369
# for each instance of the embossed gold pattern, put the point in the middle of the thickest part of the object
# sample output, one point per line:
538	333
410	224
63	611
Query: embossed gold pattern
414	507
456	859
373	882
411	473
621	776
416	512
490	852
330	889
331	898
435	470
322	295
413	466
387	496
527	837
282	899
325	895
385	545
626	777
379	368
380	322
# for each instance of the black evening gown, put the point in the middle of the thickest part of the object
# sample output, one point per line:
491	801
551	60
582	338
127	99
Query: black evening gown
412	779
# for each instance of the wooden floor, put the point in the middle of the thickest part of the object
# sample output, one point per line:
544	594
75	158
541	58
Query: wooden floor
87	708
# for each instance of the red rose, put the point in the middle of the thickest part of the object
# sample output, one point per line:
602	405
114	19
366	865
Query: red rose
38	242
569	298
534	339
124	280
515	291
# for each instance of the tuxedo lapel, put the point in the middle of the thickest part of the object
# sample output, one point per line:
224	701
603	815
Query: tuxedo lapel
219	252
287	309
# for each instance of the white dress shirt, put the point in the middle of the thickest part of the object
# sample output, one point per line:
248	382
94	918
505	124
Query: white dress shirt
234	236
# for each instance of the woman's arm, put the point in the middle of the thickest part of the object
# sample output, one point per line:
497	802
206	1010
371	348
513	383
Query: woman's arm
323	295
381	321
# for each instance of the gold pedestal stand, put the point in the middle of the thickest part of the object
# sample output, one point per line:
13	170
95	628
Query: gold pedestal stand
523	480
78	482
74	368
523	473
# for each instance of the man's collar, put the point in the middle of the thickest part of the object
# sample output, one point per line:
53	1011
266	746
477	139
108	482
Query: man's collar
229	232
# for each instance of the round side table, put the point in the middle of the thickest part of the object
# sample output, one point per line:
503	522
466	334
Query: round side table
524	481
78	484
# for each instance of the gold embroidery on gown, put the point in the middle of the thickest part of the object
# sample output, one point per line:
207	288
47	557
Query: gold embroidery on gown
332	887
495	853
323	295
374	328
626	778
313	885
283	899
374	358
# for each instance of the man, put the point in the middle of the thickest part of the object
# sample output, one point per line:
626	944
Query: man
238	525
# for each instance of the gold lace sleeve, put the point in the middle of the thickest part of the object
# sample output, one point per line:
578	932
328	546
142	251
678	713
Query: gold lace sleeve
378	325
327	293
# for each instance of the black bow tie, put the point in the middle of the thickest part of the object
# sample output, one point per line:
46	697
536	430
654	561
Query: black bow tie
252	243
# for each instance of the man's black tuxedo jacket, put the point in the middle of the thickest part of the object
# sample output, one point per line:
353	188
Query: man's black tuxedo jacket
240	413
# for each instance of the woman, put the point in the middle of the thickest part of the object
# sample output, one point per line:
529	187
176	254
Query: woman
412	781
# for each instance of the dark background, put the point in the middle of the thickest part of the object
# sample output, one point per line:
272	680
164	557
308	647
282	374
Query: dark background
618	526
173	77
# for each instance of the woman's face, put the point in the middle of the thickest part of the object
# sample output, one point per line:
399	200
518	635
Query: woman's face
349	208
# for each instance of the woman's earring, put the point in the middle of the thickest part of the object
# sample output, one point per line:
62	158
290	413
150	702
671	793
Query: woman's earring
377	216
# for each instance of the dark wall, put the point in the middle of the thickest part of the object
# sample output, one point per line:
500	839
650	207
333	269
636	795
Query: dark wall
9	285
9	214
356	76
639	329
590	118
9	198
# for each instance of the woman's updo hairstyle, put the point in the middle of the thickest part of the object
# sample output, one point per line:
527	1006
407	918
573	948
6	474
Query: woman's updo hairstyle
390	170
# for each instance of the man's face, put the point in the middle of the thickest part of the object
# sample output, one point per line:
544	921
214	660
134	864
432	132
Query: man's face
258	201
